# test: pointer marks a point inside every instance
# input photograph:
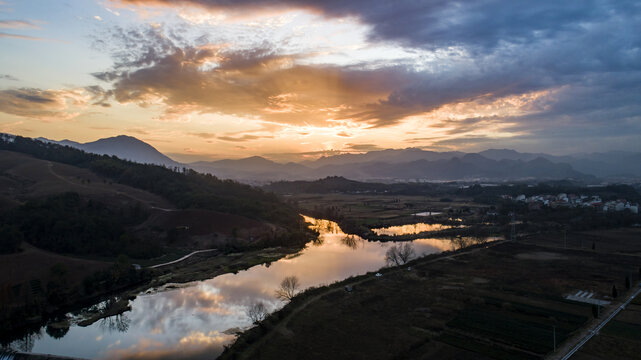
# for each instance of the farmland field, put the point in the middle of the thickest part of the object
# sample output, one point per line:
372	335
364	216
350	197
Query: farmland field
505	301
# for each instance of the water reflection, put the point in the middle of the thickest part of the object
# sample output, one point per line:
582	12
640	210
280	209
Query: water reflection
56	332
196	321
27	342
352	241
410	229
119	323
427	213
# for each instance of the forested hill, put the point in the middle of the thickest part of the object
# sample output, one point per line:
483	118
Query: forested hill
183	187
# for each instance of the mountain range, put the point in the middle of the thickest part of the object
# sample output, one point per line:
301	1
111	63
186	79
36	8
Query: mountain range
391	164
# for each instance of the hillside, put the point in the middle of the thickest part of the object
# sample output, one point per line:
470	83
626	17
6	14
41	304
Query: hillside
35	171
80	220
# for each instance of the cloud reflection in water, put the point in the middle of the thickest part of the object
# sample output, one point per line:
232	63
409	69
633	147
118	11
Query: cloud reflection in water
194	321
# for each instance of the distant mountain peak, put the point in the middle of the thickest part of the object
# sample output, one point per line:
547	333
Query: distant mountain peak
122	146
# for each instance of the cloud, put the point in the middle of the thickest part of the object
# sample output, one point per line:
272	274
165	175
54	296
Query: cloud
439	23
8	77
50	104
243	138
138	131
474	52
464	140
204	135
17	24
363	147
99	95
247	83
46	105
21	37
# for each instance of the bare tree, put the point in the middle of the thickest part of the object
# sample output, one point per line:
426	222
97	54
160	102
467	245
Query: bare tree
257	312
116	323
460	242
288	288
399	254
27	342
351	241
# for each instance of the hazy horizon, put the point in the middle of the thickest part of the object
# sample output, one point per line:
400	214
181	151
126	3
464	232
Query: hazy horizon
305	156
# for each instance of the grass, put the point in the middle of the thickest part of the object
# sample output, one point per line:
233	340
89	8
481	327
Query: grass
504	327
623	329
488	349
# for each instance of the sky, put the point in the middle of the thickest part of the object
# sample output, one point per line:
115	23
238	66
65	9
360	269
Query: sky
297	79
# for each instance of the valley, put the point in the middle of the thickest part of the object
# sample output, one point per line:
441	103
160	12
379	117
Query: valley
209	258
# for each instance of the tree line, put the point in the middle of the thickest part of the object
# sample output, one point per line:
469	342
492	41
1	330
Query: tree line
68	223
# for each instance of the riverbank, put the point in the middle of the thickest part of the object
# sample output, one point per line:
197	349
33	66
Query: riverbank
169	313
200	266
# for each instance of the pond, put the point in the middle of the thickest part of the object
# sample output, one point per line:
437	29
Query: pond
427	213
410	229
195	320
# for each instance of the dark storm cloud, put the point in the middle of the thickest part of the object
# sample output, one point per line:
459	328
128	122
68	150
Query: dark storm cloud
443	23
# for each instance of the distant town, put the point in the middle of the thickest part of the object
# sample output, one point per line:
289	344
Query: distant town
573	200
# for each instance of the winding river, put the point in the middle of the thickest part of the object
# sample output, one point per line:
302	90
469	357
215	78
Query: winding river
195	320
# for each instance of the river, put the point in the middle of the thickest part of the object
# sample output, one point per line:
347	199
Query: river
195	320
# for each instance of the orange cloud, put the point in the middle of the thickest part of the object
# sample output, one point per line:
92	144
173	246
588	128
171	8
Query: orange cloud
17	24
45	105
21	37
255	84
